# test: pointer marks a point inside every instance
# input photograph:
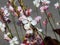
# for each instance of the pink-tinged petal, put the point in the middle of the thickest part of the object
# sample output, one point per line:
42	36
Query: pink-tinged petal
6	37
11	8
38	18
43	8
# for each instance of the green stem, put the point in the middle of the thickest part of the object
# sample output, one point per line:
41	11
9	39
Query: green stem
53	21
46	29
51	25
15	27
9	30
58	11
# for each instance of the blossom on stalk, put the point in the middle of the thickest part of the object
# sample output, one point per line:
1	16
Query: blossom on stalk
56	5
43	8
38	18
5	14
14	41
6	37
36	3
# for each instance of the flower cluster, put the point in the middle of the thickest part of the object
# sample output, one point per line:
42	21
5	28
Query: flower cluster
33	34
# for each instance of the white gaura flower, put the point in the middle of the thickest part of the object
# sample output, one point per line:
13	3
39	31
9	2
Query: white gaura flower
56	5
36	3
14	41
33	22
2	26
29	20
45	1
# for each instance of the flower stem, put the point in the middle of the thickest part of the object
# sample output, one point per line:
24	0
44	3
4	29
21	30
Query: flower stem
15	27
46	29
51	25
9	30
40	22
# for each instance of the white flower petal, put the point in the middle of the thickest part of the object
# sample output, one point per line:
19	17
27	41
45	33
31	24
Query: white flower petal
5	11
15	38
8	33
2	29
57	23
11	8
3	25
30	18
27	26
25	21
0	23
40	30
16	42
12	44
37	5
34	22
56	5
